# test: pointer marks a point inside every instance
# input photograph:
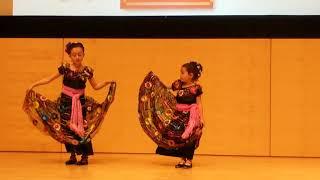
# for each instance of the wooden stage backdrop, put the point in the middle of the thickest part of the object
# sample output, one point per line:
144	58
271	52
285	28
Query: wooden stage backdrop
261	96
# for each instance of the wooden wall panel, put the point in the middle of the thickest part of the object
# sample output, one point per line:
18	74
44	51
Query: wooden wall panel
295	97
25	61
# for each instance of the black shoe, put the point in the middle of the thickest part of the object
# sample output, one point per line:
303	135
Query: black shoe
72	160
180	165
187	166
83	161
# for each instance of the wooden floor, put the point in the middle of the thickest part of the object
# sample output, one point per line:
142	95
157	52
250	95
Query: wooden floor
47	166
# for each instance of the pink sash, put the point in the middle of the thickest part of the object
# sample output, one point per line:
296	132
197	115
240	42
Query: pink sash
194	119
76	121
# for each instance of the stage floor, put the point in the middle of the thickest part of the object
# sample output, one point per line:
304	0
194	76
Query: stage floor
50	166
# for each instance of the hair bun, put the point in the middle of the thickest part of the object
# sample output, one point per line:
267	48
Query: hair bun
71	45
68	48
199	67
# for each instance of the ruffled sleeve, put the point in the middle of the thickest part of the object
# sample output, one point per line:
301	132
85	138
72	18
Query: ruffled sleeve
89	72
199	91
62	68
176	85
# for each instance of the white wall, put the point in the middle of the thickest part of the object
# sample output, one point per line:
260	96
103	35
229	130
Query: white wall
112	8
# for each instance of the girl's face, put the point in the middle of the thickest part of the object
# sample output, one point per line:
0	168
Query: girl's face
76	56
185	76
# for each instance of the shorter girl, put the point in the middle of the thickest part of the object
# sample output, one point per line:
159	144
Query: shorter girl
188	96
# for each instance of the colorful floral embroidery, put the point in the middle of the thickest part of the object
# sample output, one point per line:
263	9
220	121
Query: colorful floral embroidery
49	116
158	115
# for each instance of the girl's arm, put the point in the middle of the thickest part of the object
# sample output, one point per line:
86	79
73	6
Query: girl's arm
97	86
174	87
43	81
199	102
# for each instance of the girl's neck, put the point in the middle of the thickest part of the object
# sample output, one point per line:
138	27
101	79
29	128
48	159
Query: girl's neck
187	84
77	67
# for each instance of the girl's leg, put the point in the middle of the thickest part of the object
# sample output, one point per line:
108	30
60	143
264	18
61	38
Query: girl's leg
84	160
72	160
86	150
189	153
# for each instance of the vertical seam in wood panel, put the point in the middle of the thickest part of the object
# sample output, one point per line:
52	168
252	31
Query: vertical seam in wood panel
270	99
61	145
63	39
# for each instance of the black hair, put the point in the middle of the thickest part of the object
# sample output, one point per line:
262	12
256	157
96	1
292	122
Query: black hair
72	45
195	68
